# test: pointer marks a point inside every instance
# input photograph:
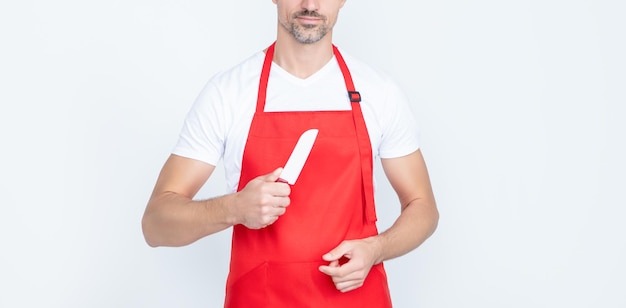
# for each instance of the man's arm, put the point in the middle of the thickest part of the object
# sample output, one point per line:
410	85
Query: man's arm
173	218
418	219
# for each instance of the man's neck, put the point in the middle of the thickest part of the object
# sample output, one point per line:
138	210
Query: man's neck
302	60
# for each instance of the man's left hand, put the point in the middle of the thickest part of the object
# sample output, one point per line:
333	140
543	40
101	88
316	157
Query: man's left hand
361	255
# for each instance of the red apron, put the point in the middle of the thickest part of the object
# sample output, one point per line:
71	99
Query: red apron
332	201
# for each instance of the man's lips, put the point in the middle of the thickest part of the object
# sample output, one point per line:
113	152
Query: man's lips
309	20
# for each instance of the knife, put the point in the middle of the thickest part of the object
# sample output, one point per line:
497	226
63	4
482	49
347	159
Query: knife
298	157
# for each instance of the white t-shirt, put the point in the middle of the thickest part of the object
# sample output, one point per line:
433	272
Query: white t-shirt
216	127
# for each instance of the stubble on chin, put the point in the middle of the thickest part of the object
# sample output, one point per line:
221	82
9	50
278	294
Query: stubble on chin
305	36
307	33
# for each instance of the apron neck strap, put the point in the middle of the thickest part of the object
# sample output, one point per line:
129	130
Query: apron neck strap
265	74
354	96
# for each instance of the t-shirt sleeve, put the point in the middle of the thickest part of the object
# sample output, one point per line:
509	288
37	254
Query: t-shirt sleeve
202	135
400	132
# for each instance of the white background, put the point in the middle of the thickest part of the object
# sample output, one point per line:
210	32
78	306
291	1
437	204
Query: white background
521	105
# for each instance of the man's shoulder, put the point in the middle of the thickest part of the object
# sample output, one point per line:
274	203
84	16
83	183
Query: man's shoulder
240	73
360	69
376	81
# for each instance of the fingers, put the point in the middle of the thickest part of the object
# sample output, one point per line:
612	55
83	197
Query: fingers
331	269
349	285
277	189
273	211
263	200
348	275
268	216
346	278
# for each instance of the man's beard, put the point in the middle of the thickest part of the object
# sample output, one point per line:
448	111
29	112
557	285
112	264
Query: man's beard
302	33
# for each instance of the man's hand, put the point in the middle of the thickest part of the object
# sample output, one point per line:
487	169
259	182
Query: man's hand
262	201
361	255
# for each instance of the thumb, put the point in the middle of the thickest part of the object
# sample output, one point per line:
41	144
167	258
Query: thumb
335	254
274	175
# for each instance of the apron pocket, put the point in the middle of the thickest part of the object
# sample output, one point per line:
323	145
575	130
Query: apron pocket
301	284
298	284
249	290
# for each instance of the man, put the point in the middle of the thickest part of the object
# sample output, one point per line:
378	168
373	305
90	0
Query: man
313	244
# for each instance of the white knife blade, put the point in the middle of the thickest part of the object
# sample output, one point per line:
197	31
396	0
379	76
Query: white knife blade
298	157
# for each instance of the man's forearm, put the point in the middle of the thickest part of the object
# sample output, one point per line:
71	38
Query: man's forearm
175	220
416	223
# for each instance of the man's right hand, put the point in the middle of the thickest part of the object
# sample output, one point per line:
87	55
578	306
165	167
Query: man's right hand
262	201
